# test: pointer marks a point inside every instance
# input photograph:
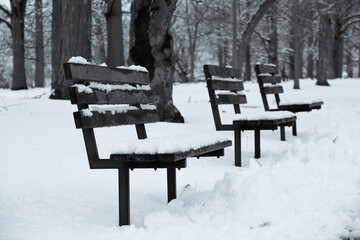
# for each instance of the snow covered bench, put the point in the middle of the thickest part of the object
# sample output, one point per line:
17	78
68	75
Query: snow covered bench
267	77
224	87
112	88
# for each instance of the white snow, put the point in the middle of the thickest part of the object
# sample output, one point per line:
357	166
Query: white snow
108	87
103	65
284	102
229	79
5	4
169	144
79	60
114	109
134	67
307	187
264	75
262	115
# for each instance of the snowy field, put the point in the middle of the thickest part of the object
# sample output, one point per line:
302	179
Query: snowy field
305	188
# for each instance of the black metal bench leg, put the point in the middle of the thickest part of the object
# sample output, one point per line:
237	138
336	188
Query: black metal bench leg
257	143
124	196
294	129
237	141
282	133
171	183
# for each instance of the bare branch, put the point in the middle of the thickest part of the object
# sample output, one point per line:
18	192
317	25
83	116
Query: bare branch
7	12
6	22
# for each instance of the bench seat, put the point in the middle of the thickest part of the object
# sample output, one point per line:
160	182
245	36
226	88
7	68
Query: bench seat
170	148
264	118
300	105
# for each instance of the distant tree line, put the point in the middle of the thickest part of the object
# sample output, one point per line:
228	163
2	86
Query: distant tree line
307	38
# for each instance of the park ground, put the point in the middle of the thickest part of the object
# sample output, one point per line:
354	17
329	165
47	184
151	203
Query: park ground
305	188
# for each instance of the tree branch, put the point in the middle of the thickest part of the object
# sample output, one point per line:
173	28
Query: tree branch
6	22
7	12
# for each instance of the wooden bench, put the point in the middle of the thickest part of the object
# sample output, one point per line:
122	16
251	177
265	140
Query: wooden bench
268	79
224	87
97	85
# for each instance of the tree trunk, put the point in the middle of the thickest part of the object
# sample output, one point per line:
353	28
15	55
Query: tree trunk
296	49
73	39
115	50
56	36
273	44
250	27
310	59
39	45
247	75
349	65
151	47
359	62
338	48
324	25
234	35
17	32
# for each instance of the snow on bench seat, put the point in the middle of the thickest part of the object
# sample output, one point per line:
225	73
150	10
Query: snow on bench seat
174	144
300	102
261	116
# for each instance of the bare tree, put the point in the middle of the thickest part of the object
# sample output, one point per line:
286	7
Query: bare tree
17	17
39	45
71	36
151	47
115	50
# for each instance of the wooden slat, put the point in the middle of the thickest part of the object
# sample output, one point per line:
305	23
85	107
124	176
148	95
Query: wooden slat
108	119
81	72
273	89
265	68
230	99
227	85
113	97
264	123
270	79
212	70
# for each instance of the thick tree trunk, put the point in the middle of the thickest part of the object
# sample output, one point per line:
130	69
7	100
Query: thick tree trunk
234	35
324	25
39	45
273	44
74	39
151	47
17	32
338	48
115	50
56	36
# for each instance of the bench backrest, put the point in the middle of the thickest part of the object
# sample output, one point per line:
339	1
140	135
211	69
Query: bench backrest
124	96
268	78
223	85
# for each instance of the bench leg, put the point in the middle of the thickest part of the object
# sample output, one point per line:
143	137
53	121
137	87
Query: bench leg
294	129
237	141
282	133
171	183
124	196
257	143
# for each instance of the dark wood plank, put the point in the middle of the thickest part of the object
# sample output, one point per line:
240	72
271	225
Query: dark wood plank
230	99
300	107
267	68
269	79
227	85
109	119
224	72
273	89
113	97
80	72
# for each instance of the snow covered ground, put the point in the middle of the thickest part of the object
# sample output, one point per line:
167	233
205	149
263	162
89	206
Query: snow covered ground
305	188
